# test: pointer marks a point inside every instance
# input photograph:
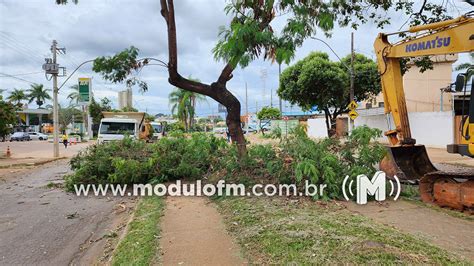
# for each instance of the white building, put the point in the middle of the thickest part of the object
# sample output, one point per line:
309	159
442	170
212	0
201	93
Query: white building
125	99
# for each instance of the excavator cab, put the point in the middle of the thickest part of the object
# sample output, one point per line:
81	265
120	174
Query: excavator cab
466	145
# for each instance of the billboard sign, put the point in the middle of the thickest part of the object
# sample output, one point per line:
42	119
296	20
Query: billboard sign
84	90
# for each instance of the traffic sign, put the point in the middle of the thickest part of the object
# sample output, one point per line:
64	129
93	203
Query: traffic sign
285	118
353	114
352	105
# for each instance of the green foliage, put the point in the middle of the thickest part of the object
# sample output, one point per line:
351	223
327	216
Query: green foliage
130	161
317	81
138	246
183	104
96	109
67	116
201	155
328	161
267	113
7	117
37	93
17	96
118	68
251	35
276	133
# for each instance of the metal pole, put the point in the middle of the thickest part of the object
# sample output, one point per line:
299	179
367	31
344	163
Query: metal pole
279	98
246	109
441	101
351	122
55	105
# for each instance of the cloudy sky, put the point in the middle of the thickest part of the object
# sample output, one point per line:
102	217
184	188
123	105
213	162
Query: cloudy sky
96	28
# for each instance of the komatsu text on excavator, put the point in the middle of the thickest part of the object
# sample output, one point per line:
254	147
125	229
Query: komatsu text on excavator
405	159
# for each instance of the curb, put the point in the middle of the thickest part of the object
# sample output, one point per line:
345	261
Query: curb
31	164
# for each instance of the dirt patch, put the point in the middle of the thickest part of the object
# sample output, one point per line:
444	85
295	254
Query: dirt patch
441	229
194	234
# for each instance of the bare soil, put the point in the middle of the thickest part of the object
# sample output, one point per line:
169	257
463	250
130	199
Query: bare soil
194	234
451	233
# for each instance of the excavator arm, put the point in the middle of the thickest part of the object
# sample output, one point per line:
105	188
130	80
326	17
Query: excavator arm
446	37
410	162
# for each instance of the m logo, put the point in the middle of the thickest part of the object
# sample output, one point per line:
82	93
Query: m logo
375	187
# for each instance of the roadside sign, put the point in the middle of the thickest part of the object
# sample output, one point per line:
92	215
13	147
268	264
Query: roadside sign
352	105
84	90
353	114
285	118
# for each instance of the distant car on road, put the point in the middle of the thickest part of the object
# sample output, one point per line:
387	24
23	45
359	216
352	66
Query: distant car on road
20	136
38	136
220	130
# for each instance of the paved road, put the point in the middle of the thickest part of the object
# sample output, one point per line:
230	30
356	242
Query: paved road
40	225
38	149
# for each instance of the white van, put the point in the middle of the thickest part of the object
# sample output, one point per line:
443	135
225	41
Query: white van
115	126
158	128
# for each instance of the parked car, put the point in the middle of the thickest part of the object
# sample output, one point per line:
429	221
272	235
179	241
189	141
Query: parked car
38	136
20	136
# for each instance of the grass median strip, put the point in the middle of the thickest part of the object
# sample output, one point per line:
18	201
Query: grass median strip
140	244
282	231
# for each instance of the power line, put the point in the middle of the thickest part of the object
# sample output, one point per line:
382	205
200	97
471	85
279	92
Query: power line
11	76
18	48
23	74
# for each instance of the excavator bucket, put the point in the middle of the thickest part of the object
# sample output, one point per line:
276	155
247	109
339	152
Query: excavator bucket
408	163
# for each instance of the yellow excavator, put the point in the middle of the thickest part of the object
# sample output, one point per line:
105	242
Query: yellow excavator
405	159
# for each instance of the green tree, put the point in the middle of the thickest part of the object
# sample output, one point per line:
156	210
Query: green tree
268	113
74	95
37	93
7	117
96	109
315	81
17	96
67	116
250	35
183	105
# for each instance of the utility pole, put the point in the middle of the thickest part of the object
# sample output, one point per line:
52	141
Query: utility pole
351	122
263	76
55	104
279	98
52	67
246	109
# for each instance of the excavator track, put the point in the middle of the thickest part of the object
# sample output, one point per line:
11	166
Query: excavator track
453	187
449	189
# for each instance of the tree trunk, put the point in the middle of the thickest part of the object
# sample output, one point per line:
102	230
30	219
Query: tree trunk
217	90
330	122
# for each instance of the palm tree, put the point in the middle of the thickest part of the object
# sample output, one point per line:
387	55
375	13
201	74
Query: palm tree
74	100
74	95
17	96
465	65
184	105
180	101
37	93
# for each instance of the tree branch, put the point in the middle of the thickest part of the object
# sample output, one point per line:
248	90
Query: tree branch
226	74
